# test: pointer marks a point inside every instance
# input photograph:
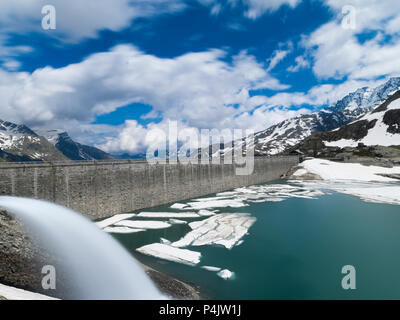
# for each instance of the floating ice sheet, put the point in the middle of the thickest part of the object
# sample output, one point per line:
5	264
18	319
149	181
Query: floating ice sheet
216	203
222	229
210	268
177	221
253	194
114	219
167	252
122	230
168	215
178	206
140	224
225	274
165	241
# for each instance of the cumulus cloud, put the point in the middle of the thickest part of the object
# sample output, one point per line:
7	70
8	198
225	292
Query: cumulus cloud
338	52
319	95
200	89
136	138
78	19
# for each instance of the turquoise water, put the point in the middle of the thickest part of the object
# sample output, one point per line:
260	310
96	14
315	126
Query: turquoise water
295	250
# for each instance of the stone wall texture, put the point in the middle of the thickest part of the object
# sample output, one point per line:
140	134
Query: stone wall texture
102	189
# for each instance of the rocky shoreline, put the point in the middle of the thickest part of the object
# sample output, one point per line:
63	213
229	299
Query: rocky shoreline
21	260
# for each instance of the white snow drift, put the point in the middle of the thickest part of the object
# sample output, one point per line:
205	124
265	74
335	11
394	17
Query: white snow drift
356	179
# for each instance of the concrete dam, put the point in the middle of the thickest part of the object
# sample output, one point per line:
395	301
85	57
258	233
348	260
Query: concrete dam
102	189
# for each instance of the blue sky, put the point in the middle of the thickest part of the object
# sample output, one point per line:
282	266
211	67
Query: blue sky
114	71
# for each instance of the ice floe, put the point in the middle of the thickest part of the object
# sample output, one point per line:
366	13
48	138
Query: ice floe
177	221
216	203
122	230
224	229
167	252
210	268
240	197
165	241
206	213
168	215
114	219
178	206
225	274
140	224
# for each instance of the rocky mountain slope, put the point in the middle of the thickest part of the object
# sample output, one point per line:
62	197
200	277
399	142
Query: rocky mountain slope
376	134
20	143
286	134
378	127
74	150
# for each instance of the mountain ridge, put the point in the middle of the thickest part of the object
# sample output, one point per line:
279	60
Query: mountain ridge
20	143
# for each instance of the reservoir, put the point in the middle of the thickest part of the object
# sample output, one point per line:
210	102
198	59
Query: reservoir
295	249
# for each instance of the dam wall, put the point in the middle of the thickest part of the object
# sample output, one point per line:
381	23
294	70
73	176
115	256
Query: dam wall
102	189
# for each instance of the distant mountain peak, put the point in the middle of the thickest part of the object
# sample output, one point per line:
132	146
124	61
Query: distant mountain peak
72	149
20	143
284	135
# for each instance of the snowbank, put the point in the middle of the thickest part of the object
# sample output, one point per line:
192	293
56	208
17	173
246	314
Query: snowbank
329	170
355	179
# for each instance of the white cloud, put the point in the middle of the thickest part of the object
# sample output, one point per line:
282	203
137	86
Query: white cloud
319	95
301	63
135	138
277	57
338	53
11	64
257	8
78	19
253	9
199	89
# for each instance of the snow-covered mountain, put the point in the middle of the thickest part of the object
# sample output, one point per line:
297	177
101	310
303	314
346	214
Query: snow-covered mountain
72	149
284	135
19	143
378	127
